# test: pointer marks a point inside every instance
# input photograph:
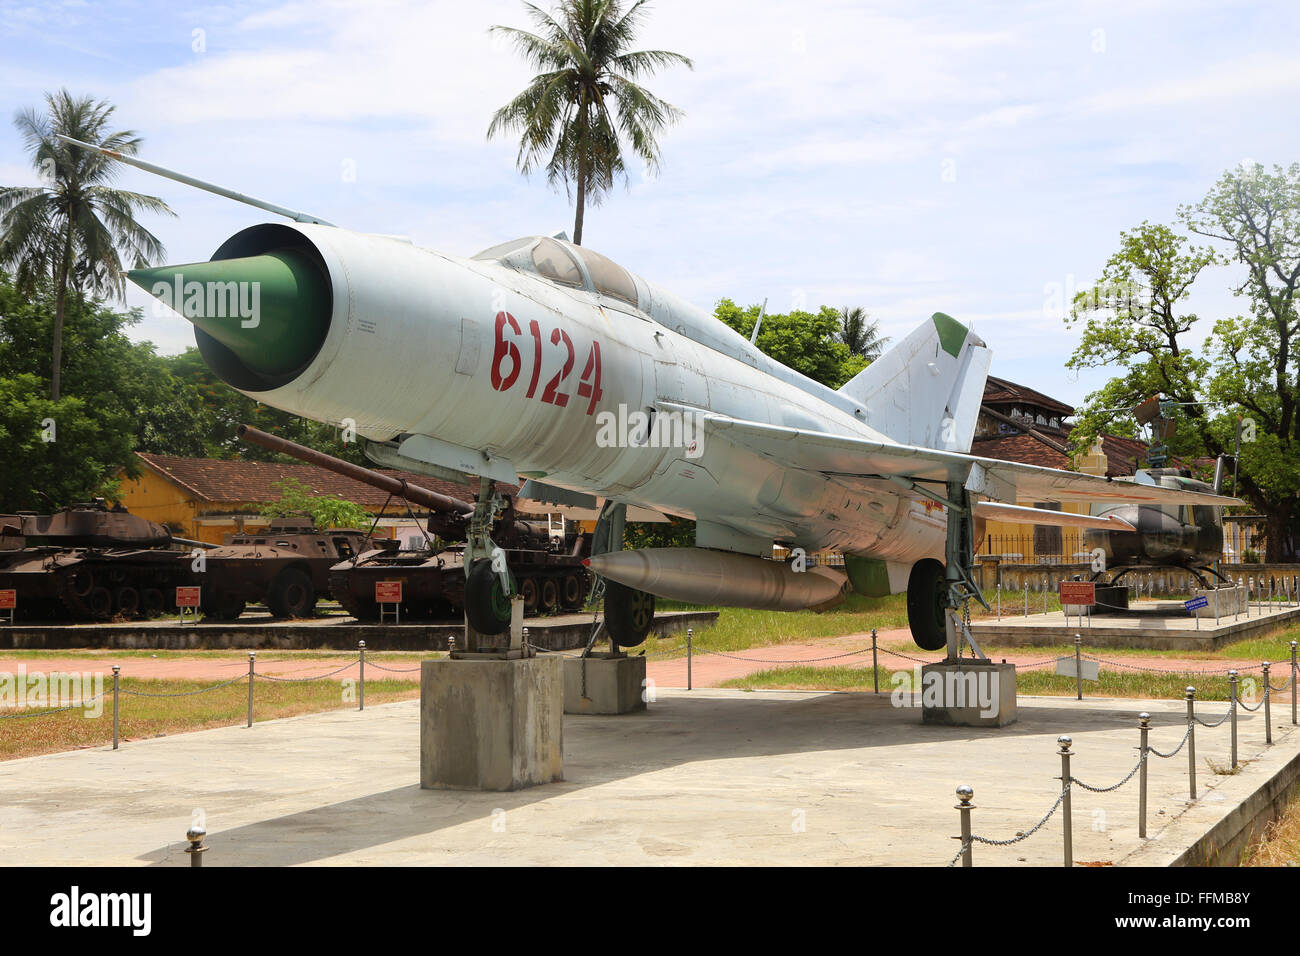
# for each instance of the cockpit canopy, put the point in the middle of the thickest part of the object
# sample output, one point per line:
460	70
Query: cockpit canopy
566	264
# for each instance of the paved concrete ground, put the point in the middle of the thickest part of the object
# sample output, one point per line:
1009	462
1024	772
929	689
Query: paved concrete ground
722	777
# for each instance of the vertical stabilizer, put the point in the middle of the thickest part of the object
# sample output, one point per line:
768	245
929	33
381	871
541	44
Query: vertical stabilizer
926	390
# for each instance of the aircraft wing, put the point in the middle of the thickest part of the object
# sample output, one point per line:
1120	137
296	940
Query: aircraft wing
1008	481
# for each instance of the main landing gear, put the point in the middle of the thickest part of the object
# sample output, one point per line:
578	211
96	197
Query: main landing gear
938	592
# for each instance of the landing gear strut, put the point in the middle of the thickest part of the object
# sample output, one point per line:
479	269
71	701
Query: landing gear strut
489	585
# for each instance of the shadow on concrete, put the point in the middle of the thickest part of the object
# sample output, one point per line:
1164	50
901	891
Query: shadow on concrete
676	730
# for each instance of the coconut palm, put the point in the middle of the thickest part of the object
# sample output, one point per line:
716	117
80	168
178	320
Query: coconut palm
73	229
585	104
860	334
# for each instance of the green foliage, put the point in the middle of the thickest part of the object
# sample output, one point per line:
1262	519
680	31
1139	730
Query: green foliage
861	334
74	229
807	342
326	510
584	108
677	533
1245	374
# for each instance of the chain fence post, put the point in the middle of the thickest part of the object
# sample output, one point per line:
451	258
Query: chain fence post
1026	599
1294	689
1232	712
1065	742
1078	667
1268	707
999	598
875	665
1144	730
117	669
964	794
690	642
361	695
251	656
1191	739
196	849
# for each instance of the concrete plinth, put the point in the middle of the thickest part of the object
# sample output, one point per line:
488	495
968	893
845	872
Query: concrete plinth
615	685
1227	600
491	724
968	694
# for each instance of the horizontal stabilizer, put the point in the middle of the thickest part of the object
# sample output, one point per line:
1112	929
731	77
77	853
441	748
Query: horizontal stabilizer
1016	514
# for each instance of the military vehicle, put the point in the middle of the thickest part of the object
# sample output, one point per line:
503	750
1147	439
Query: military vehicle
286	567
91	562
548	567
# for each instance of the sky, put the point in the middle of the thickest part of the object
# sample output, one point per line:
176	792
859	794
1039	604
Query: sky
979	159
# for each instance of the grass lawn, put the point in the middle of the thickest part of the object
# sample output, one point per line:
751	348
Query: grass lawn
141	717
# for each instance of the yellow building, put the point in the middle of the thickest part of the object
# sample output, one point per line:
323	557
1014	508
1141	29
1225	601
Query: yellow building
206	498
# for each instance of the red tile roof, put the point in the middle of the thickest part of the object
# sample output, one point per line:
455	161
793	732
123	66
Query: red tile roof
1123	455
235	481
999	392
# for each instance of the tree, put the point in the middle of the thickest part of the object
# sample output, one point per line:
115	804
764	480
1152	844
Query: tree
327	511
119	396
70	229
807	342
585	106
860	334
1244	375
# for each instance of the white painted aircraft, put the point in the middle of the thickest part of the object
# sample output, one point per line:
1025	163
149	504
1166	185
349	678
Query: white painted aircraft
547	360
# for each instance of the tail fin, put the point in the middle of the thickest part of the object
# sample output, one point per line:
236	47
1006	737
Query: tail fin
926	391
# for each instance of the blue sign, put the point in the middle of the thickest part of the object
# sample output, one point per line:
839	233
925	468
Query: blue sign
1197	602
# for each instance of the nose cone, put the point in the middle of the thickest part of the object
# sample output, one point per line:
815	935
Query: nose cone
270	310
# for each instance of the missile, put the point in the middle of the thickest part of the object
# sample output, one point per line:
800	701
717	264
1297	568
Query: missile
703	576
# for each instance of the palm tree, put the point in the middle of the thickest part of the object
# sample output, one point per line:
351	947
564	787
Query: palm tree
860	334
584	104
69	229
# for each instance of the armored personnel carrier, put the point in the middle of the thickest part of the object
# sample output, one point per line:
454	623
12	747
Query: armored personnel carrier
286	567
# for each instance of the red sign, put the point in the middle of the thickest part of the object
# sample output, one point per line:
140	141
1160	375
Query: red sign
8	600
187	597
388	592
1078	592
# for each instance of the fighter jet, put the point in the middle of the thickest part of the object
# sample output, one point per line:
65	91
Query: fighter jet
543	359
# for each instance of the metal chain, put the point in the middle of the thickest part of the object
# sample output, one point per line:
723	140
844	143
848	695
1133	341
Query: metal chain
1141	760
808	660
953	862
1247	706
1174	752
304	680
1203	723
1278	690
1025	835
47	713
1150	670
188	693
394	670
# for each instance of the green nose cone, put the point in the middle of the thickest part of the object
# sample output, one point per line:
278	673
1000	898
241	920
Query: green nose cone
270	310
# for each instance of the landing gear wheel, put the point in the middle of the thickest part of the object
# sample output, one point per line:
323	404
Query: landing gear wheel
292	594
487	607
528	589
926	604
629	614
550	595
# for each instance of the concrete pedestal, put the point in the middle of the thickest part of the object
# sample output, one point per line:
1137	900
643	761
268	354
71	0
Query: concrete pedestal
1230	601
491	724
969	694
615	685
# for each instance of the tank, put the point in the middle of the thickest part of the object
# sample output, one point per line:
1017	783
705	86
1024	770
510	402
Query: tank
91	562
286	567
547	566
